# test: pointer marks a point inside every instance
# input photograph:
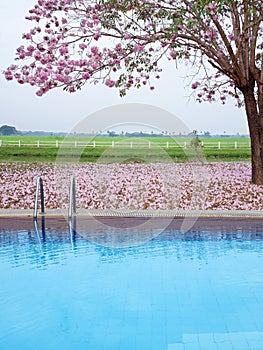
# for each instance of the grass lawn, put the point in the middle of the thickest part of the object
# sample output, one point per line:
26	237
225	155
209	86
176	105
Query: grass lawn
48	148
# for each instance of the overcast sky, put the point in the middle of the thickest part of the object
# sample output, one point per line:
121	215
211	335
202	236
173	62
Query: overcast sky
60	111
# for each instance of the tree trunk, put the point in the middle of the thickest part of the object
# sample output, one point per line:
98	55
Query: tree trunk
256	135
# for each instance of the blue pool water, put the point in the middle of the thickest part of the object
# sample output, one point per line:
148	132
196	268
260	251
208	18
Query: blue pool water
177	291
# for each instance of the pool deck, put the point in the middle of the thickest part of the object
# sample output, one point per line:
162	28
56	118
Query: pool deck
136	213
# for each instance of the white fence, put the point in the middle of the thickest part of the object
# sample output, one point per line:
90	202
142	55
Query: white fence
244	145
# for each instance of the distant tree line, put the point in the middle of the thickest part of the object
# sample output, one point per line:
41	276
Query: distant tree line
7	130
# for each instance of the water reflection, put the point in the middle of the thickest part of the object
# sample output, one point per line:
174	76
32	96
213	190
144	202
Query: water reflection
41	234
72	231
45	243
61	291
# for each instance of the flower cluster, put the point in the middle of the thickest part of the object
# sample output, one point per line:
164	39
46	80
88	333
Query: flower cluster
63	49
223	186
121	43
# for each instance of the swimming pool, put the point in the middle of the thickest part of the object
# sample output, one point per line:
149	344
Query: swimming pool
198	290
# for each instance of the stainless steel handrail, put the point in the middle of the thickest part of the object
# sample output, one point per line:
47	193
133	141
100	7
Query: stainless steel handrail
72	198
41	189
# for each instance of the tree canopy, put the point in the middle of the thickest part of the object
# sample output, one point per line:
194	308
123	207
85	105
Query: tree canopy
68	47
122	43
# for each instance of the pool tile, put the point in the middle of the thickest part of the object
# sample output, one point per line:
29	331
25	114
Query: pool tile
192	346
220	337
255	344
191	338
237	336
176	347
226	346
254	336
206	338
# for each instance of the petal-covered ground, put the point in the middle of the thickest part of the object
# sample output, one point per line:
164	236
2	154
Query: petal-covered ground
133	185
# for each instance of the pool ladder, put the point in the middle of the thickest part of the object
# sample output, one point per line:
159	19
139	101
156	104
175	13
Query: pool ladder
40	191
72	198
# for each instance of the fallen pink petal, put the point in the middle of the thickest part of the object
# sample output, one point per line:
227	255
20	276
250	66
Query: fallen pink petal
133	186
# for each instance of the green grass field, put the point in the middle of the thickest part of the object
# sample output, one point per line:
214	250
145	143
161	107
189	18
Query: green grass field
48	148
52	139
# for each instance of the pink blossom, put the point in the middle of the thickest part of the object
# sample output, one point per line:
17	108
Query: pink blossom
96	36
63	50
173	54
212	34
138	48
110	83
8	75
86	75
195	85
94	50
82	46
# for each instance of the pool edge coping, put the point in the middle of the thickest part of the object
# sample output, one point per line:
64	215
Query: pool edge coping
136	213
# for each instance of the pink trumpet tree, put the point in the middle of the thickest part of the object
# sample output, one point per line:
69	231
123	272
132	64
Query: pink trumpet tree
122	43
